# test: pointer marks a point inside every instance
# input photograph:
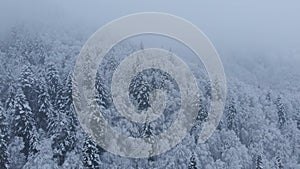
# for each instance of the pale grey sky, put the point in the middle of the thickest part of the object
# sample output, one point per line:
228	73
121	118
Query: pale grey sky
251	23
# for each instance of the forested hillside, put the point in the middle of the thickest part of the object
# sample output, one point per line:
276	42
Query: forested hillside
39	129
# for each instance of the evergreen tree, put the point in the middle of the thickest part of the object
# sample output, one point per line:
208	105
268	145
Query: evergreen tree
102	95
62	136
280	111
9	104
24	124
52	81
63	124
61	145
28	85
278	163
91	154
139	90
259	163
45	111
3	140
231	113
16	158
147	131
65	102
203	113
192	163
11	92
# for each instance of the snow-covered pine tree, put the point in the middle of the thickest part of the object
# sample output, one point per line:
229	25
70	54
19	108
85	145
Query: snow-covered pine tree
61	145
35	50
268	96
102	95
231	113
65	102
63	138
24	124
45	112
278	163
10	97
91	154
63	124
27	83
147	130
139	90
203	113
16	158
3	140
192	162
9	106
259	162
52	81
280	111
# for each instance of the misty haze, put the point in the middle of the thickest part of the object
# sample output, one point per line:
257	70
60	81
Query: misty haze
258	43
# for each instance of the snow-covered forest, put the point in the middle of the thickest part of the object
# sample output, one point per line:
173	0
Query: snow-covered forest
260	127
39	128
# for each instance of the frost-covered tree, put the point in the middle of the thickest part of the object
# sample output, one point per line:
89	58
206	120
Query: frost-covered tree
28	84
91	154
140	90
62	123
43	159
278	163
63	138
52	81
281	111
62	143
226	146
24	124
45	109
259	162
192	163
65	103
3	140
147	131
102	94
255	121
231	113
16	158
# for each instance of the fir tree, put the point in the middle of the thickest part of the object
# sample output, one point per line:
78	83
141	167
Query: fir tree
62	136
147	131
61	145
278	163
259	163
3	140
45	111
24	124
231	113
91	154
102	95
192	163
139	92
52	81
280	111
65	102
28	85
63	124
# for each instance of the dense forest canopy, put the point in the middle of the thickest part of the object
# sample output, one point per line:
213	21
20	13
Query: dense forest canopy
39	128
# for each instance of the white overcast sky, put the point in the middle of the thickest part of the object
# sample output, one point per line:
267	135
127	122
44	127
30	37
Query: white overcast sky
268	23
